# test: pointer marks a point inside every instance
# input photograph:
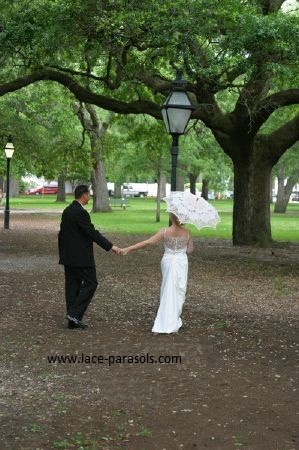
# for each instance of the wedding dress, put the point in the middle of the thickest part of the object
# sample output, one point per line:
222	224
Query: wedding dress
174	267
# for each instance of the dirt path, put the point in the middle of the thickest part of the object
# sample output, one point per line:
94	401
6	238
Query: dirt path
235	386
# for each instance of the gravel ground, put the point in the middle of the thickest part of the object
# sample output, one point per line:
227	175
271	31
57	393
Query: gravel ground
236	385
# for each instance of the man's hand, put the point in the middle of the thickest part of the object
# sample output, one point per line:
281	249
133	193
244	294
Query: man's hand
116	250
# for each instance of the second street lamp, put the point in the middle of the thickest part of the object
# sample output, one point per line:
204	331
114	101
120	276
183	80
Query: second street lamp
176	113
9	150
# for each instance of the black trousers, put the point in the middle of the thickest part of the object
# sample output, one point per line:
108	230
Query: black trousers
80	286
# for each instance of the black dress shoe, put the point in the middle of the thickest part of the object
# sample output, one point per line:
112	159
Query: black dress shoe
72	326
75	323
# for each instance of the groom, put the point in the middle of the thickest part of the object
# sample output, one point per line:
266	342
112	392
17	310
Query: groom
75	243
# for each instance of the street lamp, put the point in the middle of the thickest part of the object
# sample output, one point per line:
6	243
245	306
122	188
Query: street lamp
176	112
9	149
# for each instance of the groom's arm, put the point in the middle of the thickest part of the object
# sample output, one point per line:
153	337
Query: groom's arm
84	222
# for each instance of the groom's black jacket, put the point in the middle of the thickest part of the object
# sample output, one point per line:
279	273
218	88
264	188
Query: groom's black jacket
76	237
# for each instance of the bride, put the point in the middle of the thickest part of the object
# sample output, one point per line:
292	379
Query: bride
174	266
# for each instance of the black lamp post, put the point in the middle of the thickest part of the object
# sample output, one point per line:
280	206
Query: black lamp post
9	149
176	112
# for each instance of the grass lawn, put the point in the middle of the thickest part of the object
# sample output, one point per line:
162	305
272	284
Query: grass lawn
140	216
37	202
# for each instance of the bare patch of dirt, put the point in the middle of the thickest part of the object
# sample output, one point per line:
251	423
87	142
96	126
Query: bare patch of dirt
235	386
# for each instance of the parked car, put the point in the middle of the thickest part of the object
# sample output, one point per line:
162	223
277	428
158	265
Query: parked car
129	191
295	196
229	194
43	190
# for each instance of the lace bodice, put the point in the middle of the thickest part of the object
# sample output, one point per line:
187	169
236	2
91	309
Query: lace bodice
175	244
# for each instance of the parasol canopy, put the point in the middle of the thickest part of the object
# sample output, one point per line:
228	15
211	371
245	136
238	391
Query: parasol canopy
190	208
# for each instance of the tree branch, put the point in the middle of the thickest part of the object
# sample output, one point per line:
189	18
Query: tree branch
252	92
283	138
85	121
93	116
83	94
78	73
269	104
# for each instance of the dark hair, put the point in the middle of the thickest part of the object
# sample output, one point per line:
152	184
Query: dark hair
175	219
80	190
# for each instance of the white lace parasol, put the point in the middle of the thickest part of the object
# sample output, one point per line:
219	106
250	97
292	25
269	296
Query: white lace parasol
190	208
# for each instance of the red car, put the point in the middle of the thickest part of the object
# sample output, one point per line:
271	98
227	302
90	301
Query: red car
43	190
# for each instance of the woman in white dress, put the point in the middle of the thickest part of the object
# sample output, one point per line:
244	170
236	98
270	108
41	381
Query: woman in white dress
174	266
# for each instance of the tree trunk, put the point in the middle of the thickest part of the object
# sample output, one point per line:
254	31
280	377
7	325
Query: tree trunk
251	213
162	186
281	199
2	183
61	188
158	206
99	185
284	190
192	179
117	190
14	186
180	183
205	189
88	117
271	187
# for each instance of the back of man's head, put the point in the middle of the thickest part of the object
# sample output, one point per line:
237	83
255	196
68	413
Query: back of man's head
80	190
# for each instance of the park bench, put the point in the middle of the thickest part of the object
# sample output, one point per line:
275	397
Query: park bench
118	202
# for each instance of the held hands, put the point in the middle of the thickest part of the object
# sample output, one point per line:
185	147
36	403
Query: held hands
120	251
116	250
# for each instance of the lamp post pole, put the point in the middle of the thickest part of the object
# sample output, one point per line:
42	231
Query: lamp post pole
9	150
174	159
6	211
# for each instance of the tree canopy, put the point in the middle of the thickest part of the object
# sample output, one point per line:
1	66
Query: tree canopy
121	56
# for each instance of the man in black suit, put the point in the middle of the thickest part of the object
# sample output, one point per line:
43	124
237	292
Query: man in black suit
75	242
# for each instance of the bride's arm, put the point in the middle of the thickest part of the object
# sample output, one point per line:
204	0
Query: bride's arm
151	241
190	246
